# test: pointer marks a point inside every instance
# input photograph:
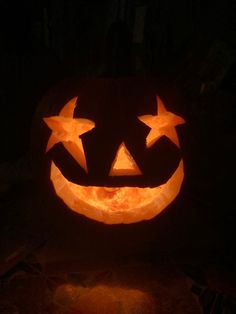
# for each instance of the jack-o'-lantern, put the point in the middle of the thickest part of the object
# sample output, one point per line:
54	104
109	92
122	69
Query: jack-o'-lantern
121	201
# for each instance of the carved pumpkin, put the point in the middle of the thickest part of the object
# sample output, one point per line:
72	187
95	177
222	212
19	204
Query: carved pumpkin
112	204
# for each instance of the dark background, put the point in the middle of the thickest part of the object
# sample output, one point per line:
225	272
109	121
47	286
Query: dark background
43	42
187	46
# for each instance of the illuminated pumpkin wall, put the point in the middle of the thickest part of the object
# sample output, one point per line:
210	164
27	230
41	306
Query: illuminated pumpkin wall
119	197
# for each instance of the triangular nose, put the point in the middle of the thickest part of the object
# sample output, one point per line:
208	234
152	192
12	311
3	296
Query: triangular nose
124	164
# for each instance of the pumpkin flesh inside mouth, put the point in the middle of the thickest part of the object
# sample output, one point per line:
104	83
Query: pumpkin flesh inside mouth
120	204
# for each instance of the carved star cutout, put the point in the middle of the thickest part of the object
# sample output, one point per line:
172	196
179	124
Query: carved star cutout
67	130
163	123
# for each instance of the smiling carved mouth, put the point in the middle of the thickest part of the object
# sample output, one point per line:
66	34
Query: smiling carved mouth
119	204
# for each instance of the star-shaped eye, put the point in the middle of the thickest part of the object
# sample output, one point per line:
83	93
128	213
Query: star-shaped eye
67	130
163	123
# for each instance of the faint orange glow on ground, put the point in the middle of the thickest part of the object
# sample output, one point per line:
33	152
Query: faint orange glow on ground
102	299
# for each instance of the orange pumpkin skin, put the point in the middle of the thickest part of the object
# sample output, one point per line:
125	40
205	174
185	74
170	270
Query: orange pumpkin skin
116	196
